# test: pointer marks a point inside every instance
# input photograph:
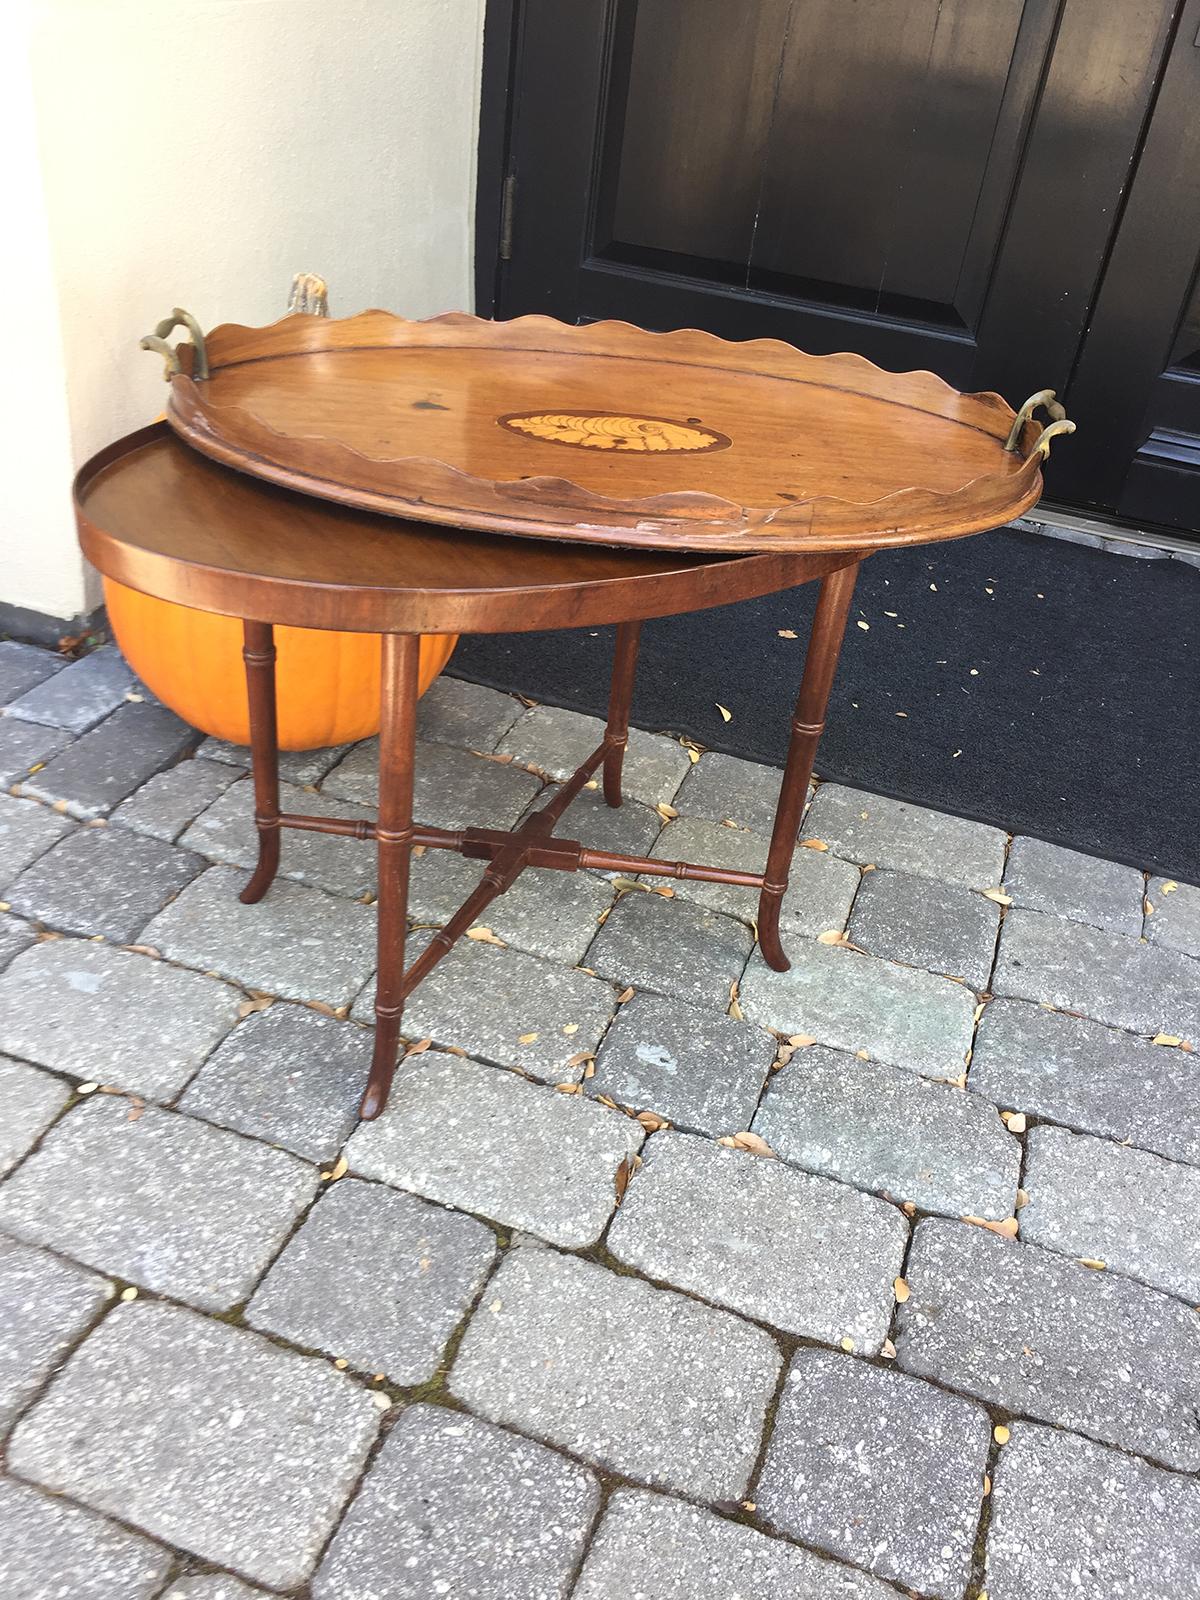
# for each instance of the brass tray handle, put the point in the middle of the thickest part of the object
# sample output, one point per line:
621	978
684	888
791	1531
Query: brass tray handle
1041	445
157	341
1058	424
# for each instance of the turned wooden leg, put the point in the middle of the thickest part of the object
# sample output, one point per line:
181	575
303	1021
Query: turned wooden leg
397	733
258	652
820	664
620	698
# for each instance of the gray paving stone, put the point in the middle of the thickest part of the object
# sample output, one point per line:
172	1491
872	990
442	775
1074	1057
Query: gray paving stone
164	1201
167	802
454	1506
451	788
47	1304
808	1256
557	741
939	926
551	914
379	1278
297	942
226	832
820	887
628	829
879	1127
112	1015
96	772
642	1381
23	745
899	1015
697	1069
870	829
659	1549
720	787
485	1001
24	665
54	1551
15	936
1127	1208
102	880
1025	1330
78	696
1106	977
1073	1521
295	766
878	1468
27	831
1175	920
1094	1079
481	1139
212	1586
674	948
546	913
455	711
1045	877
205	1436
287	1075
29	1102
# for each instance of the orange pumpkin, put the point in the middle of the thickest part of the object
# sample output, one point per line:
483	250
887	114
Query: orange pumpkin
326	684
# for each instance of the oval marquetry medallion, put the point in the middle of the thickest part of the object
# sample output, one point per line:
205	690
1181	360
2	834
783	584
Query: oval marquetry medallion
601	430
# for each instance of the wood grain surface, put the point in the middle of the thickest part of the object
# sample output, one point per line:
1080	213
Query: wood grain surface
163	519
671	440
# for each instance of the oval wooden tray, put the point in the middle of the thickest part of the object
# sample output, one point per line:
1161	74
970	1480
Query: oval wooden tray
604	433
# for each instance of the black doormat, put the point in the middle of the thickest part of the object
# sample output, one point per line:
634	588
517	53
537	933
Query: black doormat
1049	688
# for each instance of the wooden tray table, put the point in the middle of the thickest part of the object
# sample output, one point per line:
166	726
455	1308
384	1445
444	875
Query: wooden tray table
166	519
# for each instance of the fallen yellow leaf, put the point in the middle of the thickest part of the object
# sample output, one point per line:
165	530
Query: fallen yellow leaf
998	895
1166	1038
900	1289
726	714
813	844
1001	1434
787	633
1006	1229
483	936
527	1038
752	1143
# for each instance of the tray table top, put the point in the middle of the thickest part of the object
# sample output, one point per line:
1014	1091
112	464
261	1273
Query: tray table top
160	517
605	433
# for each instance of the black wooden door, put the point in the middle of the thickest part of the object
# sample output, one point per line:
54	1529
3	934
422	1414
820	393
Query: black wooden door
934	183
1136	389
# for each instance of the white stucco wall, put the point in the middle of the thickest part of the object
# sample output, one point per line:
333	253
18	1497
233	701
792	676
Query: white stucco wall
197	153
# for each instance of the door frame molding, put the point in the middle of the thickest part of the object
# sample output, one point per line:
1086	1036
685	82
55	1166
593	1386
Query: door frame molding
497	104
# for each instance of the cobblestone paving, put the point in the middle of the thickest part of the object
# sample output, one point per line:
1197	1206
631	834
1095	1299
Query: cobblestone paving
664	1275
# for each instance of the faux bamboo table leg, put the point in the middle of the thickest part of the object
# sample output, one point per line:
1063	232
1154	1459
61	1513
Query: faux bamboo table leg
820	664
258	652
620	698
394	833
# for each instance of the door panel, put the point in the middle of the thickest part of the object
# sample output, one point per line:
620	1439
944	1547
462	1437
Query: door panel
688	128
875	193
934	183
1136	391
